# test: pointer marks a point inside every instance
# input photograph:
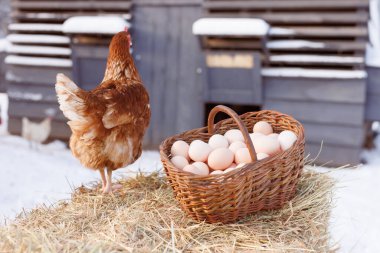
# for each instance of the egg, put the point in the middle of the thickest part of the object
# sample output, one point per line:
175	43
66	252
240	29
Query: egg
240	165
287	139
201	165
229	169
267	145
216	172
274	135
233	165
220	159
180	148
196	170
179	161
255	136
199	151
262	127
218	141
236	145
242	156
261	156
234	135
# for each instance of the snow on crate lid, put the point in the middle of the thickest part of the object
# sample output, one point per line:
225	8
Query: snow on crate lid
314	73
3	45
230	26
94	25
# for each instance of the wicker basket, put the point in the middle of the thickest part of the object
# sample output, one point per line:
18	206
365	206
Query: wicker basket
261	185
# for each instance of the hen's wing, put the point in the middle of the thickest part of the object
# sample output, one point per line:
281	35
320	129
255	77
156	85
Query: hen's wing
126	104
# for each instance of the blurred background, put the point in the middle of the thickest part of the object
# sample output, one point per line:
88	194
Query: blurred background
314	60
318	61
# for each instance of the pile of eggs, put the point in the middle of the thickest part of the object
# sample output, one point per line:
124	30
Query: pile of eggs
224	153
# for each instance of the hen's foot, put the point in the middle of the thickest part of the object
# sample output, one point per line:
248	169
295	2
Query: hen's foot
113	188
116	187
109	188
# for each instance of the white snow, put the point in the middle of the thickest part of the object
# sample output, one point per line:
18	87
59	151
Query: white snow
373	34
57	16
316	59
38	61
35	27
314	73
32	177
281	31
280	44
3	44
374	12
373	47
38	39
24	95
372	56
95	25
230	26
3	114
355	221
38	50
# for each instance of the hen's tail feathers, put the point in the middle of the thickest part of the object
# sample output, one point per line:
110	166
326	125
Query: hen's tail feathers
70	101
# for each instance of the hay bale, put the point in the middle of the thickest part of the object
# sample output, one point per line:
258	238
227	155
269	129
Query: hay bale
144	217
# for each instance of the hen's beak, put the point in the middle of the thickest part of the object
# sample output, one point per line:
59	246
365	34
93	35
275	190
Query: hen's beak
130	40
129	35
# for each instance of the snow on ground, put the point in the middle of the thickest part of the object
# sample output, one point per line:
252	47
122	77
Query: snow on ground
355	223
3	113
32	177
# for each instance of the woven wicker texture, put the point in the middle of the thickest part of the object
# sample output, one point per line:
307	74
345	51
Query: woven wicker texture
261	185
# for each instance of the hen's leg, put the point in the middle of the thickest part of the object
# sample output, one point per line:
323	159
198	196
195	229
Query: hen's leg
109	187
103	177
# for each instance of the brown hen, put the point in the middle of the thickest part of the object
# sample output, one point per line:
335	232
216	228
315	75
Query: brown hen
107	123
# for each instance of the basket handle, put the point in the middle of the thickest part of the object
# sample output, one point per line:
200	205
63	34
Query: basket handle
236	118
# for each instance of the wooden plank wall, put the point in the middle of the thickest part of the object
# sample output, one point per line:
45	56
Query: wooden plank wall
313	37
167	56
373	94
2	73
331	110
335	28
36	35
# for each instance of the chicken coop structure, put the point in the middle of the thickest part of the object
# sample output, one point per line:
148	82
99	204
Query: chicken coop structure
309	63
39	50
315	68
3	86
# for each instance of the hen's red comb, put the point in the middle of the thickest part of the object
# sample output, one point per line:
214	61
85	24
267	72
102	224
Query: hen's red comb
126	29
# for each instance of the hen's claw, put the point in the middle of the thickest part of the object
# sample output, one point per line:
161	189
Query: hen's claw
111	189
116	187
